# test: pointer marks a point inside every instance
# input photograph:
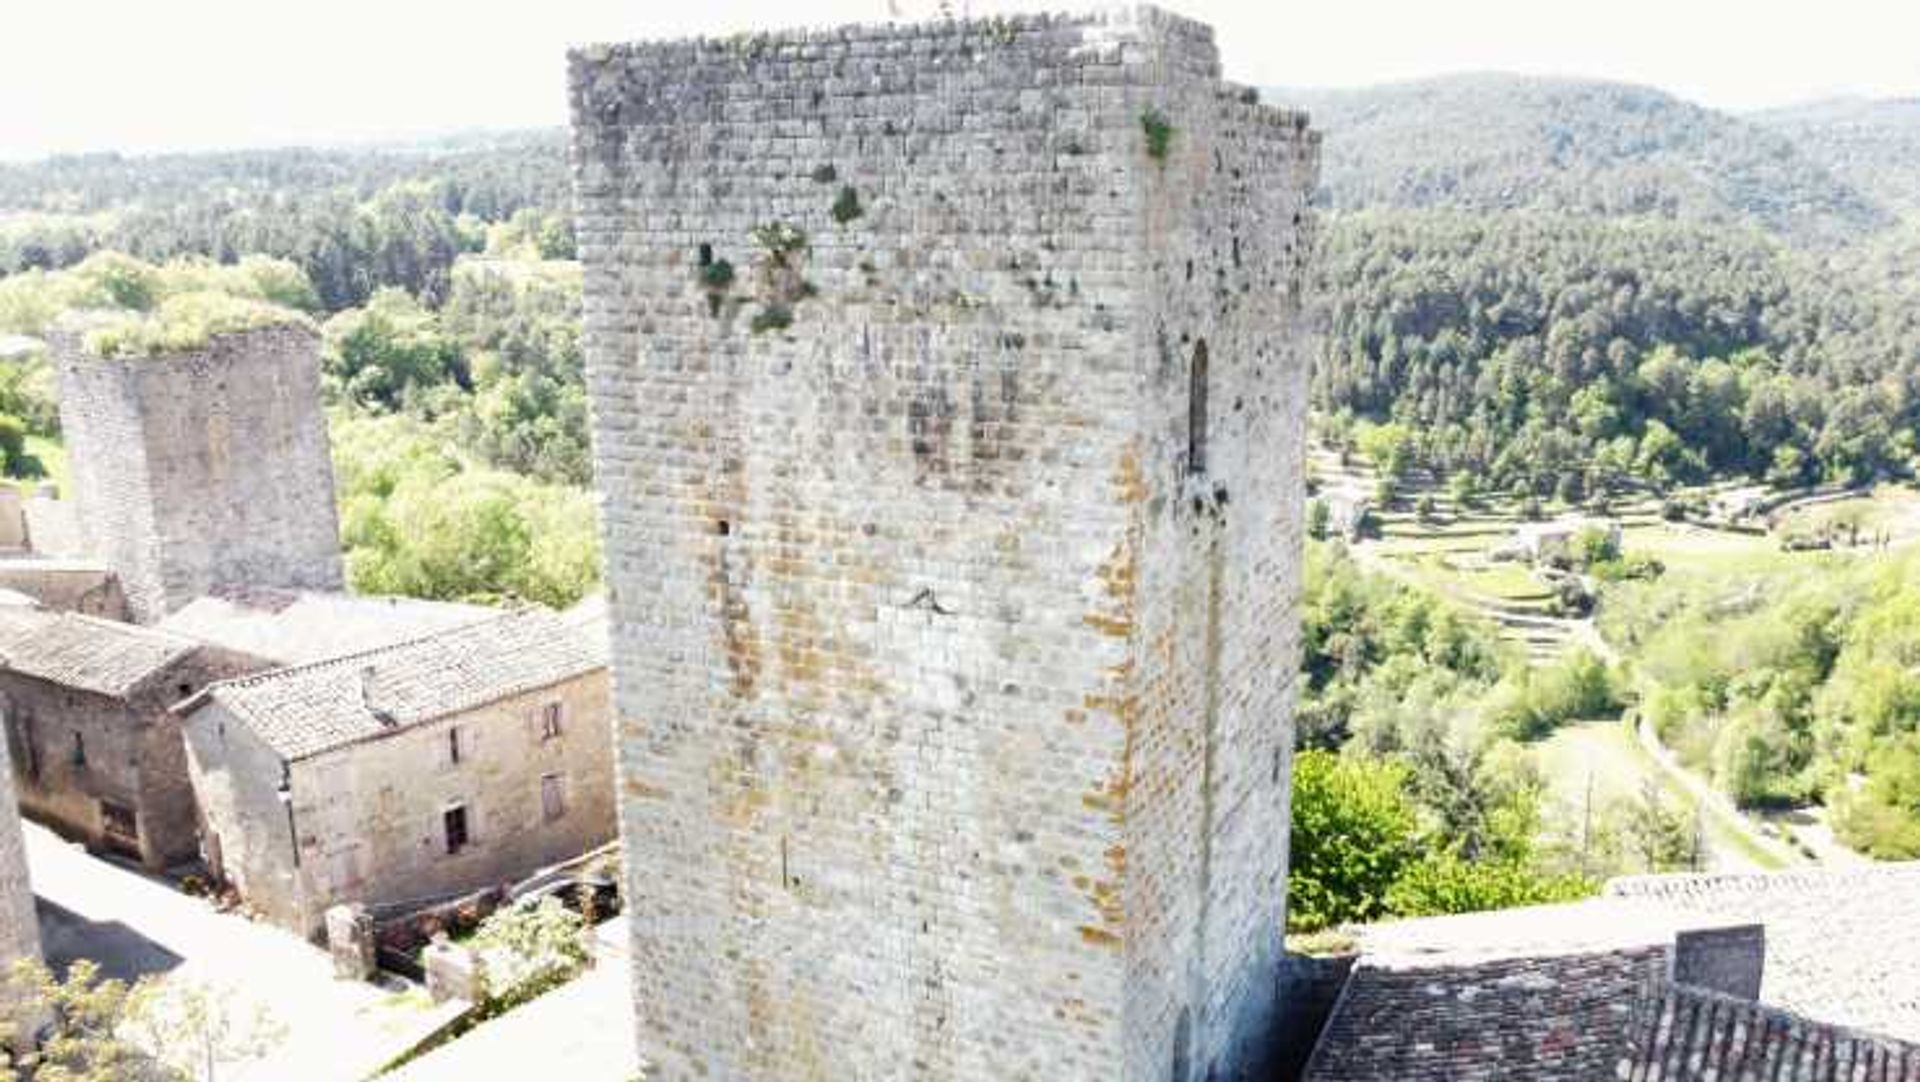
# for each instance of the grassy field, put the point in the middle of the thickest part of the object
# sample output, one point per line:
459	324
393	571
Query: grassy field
1890	509
1685	548
1599	762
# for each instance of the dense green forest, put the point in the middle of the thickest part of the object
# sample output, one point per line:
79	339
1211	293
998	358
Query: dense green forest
352	220
1549	353
1496	143
1872	145
1575	288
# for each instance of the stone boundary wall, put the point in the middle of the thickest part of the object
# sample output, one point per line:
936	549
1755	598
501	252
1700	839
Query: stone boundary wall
1682	1034
88	589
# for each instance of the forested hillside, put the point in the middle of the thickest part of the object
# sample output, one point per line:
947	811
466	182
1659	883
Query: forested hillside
1872	145
353	220
1566	287
1547	354
1506	142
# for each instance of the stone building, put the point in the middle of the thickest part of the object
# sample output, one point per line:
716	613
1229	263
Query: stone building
414	772
95	753
203	469
949	389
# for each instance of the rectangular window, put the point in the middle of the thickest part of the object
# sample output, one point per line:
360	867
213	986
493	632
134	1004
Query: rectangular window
454	820
553	797
119	821
550	721
453	745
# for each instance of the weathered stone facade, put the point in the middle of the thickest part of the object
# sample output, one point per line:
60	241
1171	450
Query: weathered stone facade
331	783
84	587
19	924
949	391
203	469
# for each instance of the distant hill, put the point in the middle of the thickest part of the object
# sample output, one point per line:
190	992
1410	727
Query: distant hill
1505	142
1872	145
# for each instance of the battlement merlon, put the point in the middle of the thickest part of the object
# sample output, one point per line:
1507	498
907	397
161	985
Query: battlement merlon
617	86
69	344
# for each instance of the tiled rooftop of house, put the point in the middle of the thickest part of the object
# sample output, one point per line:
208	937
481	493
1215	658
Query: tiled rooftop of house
309	709
1843	946
83	652
298	627
1598	924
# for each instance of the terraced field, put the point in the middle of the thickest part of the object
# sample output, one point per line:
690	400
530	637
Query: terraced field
1450	550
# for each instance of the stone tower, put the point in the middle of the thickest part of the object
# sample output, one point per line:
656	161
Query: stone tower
206	469
949	389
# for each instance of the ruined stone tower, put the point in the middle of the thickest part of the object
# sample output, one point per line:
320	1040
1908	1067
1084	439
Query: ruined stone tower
949	392
199	470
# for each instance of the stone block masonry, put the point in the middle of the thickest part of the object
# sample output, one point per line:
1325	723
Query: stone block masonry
205	469
19	923
949	389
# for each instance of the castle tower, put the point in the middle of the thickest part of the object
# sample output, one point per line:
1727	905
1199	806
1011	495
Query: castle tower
203	469
949	391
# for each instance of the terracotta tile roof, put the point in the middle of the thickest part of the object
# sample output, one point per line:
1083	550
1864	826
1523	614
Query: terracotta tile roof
309	709
1843	945
87	653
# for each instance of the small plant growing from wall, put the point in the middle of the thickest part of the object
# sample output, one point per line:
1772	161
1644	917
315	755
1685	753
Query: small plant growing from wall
777	275
1159	134
774	317
716	277
847	207
780	240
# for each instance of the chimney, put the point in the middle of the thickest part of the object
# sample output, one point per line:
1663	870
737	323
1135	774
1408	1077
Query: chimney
385	717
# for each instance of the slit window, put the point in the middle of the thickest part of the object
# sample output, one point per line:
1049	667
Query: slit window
453	745
1197	410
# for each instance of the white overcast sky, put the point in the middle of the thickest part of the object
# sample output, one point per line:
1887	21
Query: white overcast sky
142	75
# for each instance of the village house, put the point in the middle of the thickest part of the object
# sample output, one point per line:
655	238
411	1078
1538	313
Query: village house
460	760
1553	542
96	754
